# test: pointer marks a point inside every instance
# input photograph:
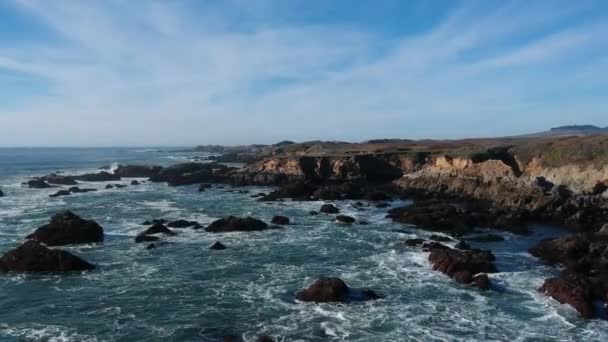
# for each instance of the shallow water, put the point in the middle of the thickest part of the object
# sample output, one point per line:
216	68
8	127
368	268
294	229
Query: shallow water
182	291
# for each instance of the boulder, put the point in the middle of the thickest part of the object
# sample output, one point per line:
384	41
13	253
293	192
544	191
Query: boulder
137	171
204	187
440	238
413	242
236	224
60	193
280	220
68	228
102	176
120	186
135	182
158	229
182	224
332	290
38	184
462	266
34	257
345	219
572	289
59	179
481	281
75	189
329	209
217	246
109	186
1	193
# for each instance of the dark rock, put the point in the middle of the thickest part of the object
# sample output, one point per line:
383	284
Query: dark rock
313	213
345	219
573	289
68	228
204	186
462	245
182	224
218	246
265	338
427	246
486	238
188	173
1	193
38	184
440	238
154	221
481	281
102	176
413	242
298	190
329	209
158	229
377	196
363	223
76	189
234	224
60	193
151	246
331	290
109	186
382	205
135	182
137	171
461	265
565	249
120	186
146	238
34	257
280	220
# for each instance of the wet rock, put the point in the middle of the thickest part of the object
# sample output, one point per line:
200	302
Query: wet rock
146	238
345	219
564	250
120	186
462	245
428	246
188	173
109	186
299	190
382	205
440	238
135	182
462	266
573	289
363	223
331	290
481	281
313	213
102	176
68	228
154	221
151	246
217	246
158	229
377	196
204	187
182	224
60	193
413	242
137	171
329	209
280	220
235	224
38	184
1	193
265	338
34	257
76	190
486	238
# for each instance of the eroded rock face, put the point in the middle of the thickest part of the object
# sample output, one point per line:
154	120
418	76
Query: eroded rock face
188	173
332	290
34	257
564	250
462	266
68	228
236	224
573	289
137	171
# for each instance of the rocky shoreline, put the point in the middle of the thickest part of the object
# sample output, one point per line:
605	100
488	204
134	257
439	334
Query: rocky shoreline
494	188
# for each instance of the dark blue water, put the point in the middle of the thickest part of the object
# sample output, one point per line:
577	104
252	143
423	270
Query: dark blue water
181	291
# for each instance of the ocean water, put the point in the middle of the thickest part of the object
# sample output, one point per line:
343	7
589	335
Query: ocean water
182	291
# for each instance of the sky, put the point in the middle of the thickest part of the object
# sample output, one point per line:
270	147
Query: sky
180	73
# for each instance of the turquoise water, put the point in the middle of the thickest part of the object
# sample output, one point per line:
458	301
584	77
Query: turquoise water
181	291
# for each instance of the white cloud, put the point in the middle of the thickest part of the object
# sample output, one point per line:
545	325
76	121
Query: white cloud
158	72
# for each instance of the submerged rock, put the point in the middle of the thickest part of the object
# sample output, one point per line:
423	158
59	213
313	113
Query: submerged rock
235	224
345	219
462	266
280	220
59	179
60	193
135	182
34	257
1	193
68	228
38	184
182	224
331	290
329	209
217	246
146	238
76	189
413	242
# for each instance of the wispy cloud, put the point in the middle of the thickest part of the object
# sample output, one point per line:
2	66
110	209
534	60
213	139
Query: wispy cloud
159	72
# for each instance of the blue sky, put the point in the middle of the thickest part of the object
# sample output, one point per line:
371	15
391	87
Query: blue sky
146	72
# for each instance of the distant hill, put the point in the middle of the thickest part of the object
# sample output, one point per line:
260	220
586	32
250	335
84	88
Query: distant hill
578	130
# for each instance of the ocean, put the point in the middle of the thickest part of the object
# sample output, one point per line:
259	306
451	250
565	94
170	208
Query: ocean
182	291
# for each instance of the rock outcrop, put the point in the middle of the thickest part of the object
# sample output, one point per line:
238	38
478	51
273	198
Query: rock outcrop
236	224
137	171
68	228
334	290
190	173
463	266
280	220
59	179
150	233
102	176
38	183
34	257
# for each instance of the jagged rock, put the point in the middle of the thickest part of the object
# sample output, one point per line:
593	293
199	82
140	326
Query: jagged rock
235	224
182	224
38	184
137	171
34	257
331	290
462	265
345	219
154	221
329	209
217	246
302	191
158	229
68	228
60	193
102	176
573	289
481	281
280	220
565	249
